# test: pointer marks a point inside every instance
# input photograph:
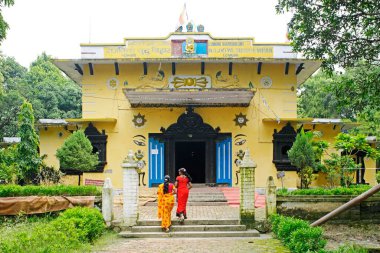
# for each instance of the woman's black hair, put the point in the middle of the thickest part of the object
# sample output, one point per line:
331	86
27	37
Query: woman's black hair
183	170
166	184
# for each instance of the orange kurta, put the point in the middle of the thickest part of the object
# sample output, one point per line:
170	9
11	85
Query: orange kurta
165	205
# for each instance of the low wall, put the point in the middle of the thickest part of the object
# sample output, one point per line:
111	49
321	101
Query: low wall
313	207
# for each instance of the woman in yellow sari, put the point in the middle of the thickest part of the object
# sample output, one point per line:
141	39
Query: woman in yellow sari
166	200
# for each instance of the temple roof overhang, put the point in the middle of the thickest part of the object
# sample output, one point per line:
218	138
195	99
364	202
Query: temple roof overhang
74	67
183	98
342	123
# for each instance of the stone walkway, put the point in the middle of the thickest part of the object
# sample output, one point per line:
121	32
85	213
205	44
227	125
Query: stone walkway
263	244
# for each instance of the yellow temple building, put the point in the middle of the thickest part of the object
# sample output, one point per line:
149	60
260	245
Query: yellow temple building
189	100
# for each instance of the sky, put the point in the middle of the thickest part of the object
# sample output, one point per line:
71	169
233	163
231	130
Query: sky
57	27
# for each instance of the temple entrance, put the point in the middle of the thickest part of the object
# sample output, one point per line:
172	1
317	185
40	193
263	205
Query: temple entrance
190	143
192	156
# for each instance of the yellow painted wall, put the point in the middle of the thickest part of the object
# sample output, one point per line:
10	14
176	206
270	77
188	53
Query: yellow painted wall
99	101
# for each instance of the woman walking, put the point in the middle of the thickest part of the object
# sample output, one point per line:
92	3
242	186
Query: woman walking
183	185
165	195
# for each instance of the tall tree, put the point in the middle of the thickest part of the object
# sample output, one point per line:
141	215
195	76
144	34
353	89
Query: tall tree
52	94
3	25
28	159
339	32
354	95
11	75
316	99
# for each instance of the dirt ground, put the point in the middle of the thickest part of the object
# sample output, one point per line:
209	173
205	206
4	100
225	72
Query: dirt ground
367	235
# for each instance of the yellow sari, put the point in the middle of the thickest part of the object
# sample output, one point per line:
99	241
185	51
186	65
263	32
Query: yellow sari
165	206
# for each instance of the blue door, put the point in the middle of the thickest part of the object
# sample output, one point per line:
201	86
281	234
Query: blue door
156	162
224	161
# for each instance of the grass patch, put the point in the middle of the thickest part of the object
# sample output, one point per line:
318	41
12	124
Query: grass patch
54	190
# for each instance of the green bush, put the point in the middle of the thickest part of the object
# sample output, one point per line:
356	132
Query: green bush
378	177
275	220
297	234
88	221
287	226
309	239
71	231
55	190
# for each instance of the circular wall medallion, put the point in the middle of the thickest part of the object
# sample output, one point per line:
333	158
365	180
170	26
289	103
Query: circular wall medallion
266	82
112	83
240	120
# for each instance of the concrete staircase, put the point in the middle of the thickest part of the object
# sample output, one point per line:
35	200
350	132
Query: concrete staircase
192	229
209	216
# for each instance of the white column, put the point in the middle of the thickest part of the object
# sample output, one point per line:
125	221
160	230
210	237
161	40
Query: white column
247	190
271	202
107	202
130	190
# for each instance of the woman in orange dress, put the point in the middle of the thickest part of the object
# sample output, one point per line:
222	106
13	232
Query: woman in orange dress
165	195
183	185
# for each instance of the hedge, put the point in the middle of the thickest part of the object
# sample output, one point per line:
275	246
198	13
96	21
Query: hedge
54	190
352	190
67	233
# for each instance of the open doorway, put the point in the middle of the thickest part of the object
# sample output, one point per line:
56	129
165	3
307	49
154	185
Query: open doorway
192	157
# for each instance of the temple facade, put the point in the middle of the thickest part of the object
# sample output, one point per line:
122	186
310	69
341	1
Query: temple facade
189	100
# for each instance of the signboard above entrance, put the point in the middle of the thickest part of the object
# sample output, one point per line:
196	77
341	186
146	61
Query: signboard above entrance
182	46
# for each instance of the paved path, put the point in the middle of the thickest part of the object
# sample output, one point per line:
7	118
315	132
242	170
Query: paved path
197	245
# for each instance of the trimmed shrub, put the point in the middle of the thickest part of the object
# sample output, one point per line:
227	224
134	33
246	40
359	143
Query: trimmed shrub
72	230
54	190
88	221
287	226
297	234
307	239
352	190
275	220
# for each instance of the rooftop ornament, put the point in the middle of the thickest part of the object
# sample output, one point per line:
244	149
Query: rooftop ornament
189	27
200	28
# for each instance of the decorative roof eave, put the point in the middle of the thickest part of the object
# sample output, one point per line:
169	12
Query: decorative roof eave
52	122
313	121
86	120
344	124
74	67
209	98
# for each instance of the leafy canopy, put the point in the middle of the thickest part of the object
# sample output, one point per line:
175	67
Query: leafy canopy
51	94
76	153
354	95
339	32
4	25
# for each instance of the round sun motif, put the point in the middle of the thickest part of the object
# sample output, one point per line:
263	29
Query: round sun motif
112	83
139	120
240	120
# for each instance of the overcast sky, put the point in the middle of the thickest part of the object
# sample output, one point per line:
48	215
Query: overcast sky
59	26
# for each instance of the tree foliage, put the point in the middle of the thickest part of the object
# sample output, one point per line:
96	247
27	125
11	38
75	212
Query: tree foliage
28	160
354	95
76	153
51	94
4	25
339	32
